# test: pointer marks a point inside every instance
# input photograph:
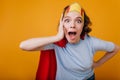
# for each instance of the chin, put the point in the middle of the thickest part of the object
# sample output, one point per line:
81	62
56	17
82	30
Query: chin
72	38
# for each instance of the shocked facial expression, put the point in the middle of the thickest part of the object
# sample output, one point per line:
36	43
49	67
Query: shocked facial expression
73	24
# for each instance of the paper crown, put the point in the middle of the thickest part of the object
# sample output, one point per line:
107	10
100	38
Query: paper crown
75	7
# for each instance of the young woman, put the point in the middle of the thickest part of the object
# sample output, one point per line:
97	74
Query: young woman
75	59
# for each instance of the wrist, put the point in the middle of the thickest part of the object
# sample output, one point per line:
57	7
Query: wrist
58	37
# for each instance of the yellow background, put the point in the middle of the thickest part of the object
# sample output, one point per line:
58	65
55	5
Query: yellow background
24	19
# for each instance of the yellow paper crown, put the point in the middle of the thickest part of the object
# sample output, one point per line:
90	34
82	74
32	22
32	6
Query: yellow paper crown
75	7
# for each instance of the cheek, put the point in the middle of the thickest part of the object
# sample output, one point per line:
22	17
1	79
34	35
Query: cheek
65	30
66	27
80	27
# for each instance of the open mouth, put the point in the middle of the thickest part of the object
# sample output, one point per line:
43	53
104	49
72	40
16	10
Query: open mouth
72	33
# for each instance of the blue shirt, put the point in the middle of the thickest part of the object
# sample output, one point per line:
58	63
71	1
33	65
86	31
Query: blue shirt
74	61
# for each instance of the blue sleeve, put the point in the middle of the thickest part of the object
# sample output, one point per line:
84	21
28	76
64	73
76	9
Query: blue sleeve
101	45
49	46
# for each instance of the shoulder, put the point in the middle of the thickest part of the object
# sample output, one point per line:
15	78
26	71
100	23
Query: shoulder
100	44
93	39
90	38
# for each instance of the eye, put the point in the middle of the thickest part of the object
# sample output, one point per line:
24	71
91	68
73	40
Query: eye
79	21
66	20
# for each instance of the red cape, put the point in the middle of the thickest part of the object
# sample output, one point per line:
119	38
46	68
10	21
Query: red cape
47	64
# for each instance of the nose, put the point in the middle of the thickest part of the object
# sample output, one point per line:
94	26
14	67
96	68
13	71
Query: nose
72	25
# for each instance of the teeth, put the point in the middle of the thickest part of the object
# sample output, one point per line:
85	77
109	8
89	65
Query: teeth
72	33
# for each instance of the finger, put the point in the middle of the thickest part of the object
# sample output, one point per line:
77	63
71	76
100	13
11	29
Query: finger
61	18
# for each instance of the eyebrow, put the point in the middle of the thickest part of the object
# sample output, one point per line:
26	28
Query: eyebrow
79	17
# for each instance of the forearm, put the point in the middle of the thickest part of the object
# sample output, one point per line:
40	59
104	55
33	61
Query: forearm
37	43
106	57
